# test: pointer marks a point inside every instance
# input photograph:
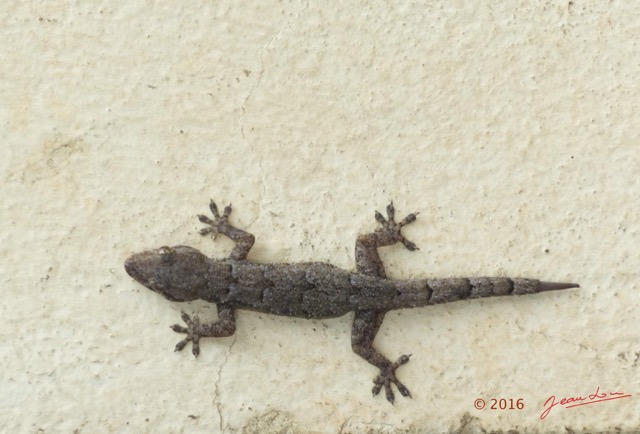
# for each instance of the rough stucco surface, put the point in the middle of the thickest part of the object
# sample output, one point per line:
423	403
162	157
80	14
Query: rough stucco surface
511	128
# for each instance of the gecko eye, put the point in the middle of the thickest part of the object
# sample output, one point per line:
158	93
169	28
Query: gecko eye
167	255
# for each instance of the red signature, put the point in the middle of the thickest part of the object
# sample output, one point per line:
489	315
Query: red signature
576	401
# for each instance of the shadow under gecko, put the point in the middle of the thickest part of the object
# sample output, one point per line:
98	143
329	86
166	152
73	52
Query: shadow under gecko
308	289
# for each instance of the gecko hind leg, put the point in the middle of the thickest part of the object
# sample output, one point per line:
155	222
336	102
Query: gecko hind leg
367	322
220	225
367	258
365	326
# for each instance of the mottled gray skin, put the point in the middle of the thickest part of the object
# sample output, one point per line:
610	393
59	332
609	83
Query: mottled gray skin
308	289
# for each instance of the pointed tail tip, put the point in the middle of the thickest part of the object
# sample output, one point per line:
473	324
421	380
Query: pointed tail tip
553	286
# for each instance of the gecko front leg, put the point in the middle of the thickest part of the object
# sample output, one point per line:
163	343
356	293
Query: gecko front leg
225	326
367	322
220	225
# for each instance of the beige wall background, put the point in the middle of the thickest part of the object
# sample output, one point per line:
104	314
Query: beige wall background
510	126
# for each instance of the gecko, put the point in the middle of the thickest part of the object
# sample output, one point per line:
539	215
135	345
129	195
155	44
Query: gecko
308	289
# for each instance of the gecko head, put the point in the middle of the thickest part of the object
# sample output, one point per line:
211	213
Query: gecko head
178	273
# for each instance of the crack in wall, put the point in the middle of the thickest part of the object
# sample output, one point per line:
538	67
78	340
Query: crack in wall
258	81
216	395
255	86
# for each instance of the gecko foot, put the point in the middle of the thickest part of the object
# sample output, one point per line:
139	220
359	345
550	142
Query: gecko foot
193	332
215	225
220	225
390	230
388	376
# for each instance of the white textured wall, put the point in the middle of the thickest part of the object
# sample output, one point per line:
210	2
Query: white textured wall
512	128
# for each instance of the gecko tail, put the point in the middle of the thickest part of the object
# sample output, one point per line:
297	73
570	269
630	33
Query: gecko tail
415	293
526	286
554	286
446	290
